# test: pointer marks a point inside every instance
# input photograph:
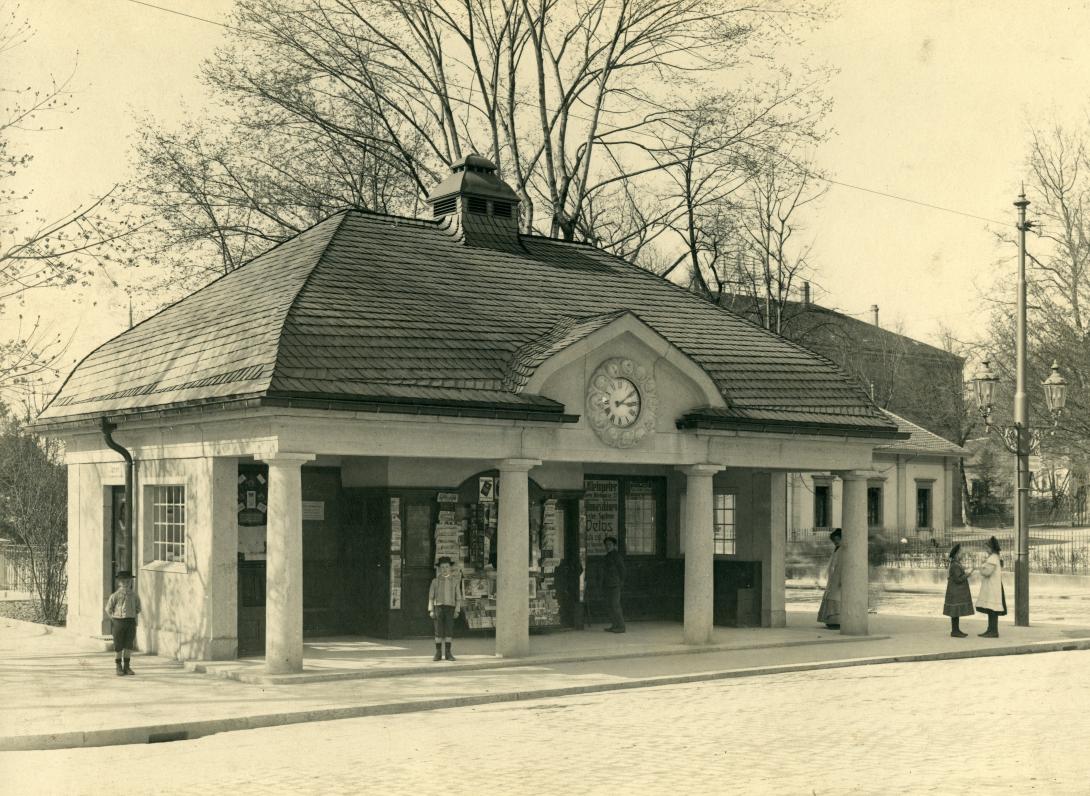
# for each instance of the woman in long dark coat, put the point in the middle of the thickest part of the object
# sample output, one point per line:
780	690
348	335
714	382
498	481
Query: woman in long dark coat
959	600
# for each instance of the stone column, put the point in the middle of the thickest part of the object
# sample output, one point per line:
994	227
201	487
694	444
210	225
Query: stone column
902	496
221	562
774	565
853	556
949	492
284	564
699	552
512	561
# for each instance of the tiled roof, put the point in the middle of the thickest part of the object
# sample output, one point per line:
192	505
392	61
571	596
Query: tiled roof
363	304
920	440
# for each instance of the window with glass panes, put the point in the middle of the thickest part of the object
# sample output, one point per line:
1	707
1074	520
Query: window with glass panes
923	505
640	518
725	537
874	506
167	506
822	505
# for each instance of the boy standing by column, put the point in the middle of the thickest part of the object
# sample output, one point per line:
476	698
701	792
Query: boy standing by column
445	601
122	607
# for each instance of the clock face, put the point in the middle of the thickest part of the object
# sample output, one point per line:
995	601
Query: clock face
621	401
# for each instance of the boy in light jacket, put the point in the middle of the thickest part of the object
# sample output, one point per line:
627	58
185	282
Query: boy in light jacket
122	607
445	601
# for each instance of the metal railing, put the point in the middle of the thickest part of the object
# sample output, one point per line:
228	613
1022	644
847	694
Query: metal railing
1055	550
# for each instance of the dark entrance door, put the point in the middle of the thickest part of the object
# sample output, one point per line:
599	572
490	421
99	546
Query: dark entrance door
120	535
571	567
367	542
251	608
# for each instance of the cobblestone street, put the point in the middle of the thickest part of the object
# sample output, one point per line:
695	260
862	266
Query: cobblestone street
1009	725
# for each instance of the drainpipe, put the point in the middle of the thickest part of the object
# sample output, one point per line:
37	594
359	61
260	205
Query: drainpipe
108	429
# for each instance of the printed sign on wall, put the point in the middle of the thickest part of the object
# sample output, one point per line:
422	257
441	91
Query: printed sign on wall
602	513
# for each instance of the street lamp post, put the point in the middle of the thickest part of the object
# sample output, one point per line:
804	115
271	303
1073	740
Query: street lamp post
1020	439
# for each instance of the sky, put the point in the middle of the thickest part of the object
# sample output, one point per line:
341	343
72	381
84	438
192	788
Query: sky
933	100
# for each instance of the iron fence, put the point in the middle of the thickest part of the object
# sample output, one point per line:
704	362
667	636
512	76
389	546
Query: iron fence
1055	550
16	573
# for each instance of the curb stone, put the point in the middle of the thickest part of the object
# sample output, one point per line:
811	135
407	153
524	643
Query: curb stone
260	678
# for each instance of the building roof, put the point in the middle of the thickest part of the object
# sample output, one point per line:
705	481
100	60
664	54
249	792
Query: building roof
920	440
369	309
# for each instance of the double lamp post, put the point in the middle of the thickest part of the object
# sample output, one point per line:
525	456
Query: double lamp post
1020	439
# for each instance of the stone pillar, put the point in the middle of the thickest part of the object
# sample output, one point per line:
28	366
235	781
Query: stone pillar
853	556
512	561
221	564
902	496
284	564
774	563
949	473
699	552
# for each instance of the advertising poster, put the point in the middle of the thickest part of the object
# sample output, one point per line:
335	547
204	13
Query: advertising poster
602	513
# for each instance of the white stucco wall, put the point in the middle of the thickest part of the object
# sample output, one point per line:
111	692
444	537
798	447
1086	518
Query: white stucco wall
898	476
190	608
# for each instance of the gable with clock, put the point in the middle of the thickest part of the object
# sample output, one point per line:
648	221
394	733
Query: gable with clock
621	402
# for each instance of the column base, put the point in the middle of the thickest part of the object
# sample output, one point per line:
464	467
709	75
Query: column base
773	618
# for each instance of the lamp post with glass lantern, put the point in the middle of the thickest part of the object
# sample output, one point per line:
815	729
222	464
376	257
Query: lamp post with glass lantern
1019	438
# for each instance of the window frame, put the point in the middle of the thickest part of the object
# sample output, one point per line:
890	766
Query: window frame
878	522
716	536
151	543
827	502
927	487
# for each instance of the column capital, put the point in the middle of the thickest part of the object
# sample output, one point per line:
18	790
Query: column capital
286	459
701	470
853	475
517	465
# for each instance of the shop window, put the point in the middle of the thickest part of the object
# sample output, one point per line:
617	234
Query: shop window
640	518
874	506
923	505
167	506
823	501
724	530
631	509
418	534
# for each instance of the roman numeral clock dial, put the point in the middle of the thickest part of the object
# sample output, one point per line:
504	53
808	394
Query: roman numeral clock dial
621	402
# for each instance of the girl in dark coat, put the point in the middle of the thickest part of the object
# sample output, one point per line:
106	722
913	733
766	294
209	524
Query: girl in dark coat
959	601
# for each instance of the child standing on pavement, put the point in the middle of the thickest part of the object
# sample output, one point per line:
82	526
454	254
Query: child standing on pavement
122	607
445	601
959	600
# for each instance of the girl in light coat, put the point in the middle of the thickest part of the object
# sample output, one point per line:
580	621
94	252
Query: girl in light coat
991	599
829	610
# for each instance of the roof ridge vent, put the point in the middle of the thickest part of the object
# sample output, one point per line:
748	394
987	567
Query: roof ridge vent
483	208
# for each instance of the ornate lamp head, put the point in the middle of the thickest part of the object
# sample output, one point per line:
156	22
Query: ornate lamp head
983	386
1055	391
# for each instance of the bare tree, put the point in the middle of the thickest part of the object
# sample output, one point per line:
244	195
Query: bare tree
39	252
33	511
1058	285
761	233
373	101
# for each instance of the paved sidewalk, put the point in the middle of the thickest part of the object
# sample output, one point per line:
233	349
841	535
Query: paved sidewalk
61	692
